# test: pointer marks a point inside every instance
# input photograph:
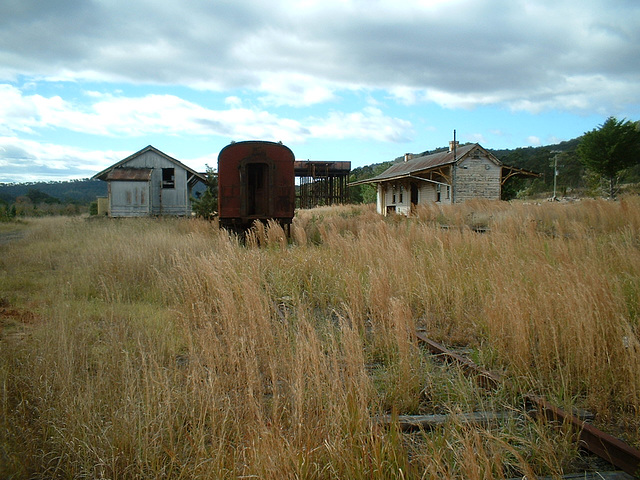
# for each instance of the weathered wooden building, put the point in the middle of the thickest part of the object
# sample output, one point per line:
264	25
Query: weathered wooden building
149	182
453	176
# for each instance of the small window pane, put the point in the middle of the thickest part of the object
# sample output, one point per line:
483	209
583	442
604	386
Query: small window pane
168	178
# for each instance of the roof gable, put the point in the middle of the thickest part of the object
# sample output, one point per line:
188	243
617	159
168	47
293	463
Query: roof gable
105	174
476	151
425	162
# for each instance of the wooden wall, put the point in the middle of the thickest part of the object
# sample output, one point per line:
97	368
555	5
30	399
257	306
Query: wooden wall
144	198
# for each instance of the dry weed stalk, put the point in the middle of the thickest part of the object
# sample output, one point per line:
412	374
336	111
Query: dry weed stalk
167	348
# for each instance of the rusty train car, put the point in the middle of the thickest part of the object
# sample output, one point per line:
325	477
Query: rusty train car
255	182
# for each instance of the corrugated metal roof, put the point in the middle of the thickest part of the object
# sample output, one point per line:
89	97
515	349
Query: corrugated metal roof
130	174
419	164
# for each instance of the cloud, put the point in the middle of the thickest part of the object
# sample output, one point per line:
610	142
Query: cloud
370	124
26	160
476	138
112	73
114	116
526	54
294	90
11	151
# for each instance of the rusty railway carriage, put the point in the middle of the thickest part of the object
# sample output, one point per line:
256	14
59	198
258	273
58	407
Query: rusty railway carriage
255	182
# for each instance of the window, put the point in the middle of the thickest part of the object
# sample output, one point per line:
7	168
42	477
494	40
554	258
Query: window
168	178
401	193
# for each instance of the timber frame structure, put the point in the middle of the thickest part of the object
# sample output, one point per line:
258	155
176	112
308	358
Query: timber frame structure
321	183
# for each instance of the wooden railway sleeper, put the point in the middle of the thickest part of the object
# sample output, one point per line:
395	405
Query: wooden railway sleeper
607	447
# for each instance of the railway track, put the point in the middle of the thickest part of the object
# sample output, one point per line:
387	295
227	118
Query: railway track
605	446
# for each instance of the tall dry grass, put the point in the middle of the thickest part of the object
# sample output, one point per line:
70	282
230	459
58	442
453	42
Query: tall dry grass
167	348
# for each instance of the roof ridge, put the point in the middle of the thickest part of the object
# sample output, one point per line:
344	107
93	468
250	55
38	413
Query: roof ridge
140	152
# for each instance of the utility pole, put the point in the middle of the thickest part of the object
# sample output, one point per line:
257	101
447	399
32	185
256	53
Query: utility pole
555	174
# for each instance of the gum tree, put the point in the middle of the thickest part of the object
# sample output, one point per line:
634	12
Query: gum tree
207	205
610	149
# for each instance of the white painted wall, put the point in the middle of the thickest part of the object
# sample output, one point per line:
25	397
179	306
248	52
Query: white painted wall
398	200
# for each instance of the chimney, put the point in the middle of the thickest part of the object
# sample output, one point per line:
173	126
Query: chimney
453	144
408	156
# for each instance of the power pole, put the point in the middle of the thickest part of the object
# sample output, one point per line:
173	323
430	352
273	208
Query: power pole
555	174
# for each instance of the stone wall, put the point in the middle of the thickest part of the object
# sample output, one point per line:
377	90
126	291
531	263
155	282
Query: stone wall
477	177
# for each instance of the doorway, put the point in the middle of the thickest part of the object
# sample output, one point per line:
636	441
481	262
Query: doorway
414	195
257	189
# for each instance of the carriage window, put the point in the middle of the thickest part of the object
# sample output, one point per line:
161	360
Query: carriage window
168	178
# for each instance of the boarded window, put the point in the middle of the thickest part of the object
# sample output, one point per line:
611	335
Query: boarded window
168	178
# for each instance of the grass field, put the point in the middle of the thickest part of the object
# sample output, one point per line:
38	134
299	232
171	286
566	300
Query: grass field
164	348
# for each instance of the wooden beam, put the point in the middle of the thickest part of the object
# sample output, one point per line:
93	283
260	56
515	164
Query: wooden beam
417	422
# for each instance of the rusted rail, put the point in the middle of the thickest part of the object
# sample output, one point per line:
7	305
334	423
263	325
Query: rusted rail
611	449
484	378
606	446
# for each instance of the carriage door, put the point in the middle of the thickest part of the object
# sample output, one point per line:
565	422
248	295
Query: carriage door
257	189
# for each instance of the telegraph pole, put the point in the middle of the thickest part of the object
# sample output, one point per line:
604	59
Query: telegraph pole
555	173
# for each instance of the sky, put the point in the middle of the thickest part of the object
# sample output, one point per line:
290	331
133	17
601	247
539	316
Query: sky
86	83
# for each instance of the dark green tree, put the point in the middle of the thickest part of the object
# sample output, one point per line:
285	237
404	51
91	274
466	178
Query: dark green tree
38	196
207	205
611	149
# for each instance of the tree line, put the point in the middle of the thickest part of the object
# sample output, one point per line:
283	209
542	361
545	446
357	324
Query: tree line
599	162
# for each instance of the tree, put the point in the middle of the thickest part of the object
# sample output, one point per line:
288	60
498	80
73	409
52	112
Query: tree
36	196
611	149
207	205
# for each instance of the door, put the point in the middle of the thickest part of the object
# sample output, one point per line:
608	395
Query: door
414	195
257	189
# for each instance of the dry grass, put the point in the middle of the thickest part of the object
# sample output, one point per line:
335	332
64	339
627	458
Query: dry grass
166	348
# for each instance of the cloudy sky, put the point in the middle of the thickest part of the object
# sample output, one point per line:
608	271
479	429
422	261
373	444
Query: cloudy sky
85	83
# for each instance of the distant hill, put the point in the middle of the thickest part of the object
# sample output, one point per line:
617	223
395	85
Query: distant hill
73	191
571	176
536	159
